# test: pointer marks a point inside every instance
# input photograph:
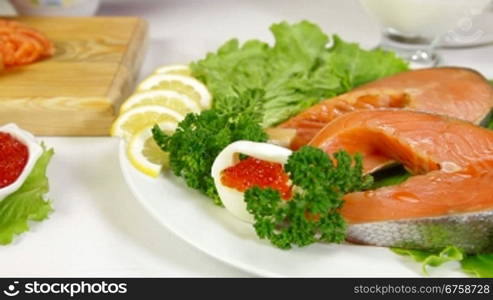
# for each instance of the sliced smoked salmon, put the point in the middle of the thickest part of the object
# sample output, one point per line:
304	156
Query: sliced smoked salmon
448	201
457	92
20	44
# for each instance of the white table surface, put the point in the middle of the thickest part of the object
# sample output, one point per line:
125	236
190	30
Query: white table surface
98	228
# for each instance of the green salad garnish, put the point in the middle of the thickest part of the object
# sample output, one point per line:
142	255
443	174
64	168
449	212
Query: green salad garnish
26	204
477	265
302	67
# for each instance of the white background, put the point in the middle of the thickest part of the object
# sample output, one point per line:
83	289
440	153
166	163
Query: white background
98	228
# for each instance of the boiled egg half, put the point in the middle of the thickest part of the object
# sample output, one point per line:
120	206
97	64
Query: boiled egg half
233	199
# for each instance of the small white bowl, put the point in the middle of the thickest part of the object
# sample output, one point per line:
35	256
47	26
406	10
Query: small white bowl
34	152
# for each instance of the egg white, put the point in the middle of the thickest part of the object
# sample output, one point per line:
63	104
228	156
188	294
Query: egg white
232	199
34	152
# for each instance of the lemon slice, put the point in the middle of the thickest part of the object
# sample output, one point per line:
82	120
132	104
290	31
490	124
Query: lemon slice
170	99
145	155
174	69
135	120
189	86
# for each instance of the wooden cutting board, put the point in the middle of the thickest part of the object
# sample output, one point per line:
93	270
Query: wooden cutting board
78	91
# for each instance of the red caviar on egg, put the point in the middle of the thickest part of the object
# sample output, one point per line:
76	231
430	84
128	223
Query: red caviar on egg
13	158
255	172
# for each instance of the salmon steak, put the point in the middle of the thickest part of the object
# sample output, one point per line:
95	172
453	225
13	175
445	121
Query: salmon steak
457	92
448	201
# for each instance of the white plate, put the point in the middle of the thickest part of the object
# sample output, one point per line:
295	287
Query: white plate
213	230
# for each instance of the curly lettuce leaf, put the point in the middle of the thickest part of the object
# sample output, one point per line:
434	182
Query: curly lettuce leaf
233	69
299	70
27	203
432	259
477	265
488	123
391	176
356	66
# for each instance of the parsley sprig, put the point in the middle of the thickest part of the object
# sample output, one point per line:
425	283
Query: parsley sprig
199	138
320	181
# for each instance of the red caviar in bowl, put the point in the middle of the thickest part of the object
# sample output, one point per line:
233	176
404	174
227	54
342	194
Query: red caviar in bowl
255	172
13	159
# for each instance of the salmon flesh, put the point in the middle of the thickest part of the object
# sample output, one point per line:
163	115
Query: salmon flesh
457	92
448	201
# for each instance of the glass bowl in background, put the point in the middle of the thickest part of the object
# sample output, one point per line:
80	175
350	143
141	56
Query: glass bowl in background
413	28
55	7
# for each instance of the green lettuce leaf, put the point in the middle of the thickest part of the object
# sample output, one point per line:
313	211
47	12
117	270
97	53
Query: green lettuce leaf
477	265
356	66
299	70
488	123
432	259
390	176
27	203
480	265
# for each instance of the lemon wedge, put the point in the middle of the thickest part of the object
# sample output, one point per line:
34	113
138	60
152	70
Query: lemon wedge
174	69
189	86
170	99
133	121
145	155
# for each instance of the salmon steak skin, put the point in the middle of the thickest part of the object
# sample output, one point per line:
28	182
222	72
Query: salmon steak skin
449	198
456	92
